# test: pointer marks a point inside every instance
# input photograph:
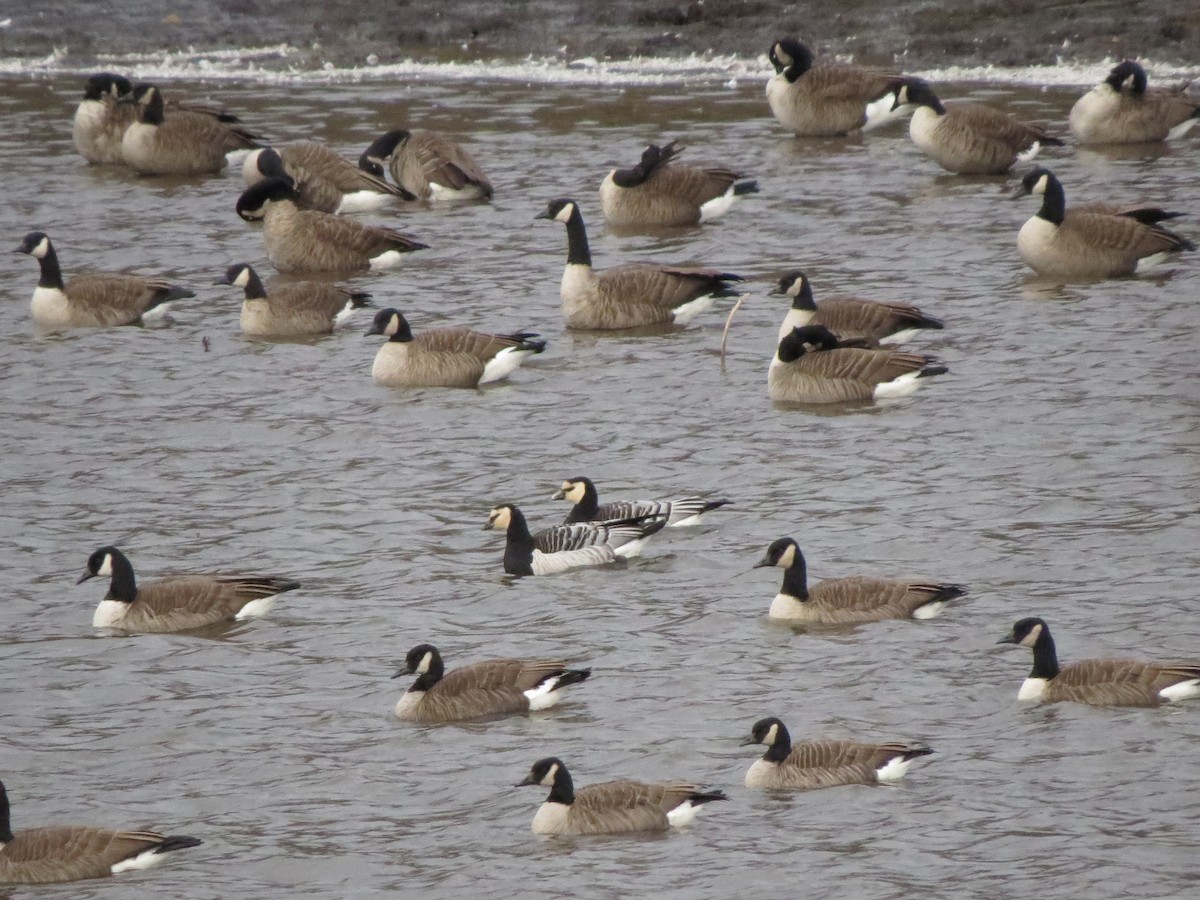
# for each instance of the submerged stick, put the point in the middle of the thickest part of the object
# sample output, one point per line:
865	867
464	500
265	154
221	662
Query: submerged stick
729	321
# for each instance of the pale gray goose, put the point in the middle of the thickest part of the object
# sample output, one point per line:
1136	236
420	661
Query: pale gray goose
1122	110
95	299
290	310
854	600
658	193
632	295
1091	241
179	142
581	492
446	357
849	317
611	807
1099	682
302	241
324	180
427	164
179	602
59	853
812	366
492	687
812	765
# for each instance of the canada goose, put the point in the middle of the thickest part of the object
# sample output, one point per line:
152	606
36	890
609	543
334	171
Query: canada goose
632	295
306	241
428	165
1120	110
173	142
302	307
1099	682
613	806
489	688
811	366
849	601
446	357
849	317
822	764
101	118
680	513
58	853
325	181
969	138
95	299
179	602
824	100
657	193
563	547
1090	241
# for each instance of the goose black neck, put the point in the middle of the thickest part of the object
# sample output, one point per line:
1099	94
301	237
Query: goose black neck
152	112
1045	658
795	578
631	177
6	834
51	274
518	548
426	680
123	585
804	300
1054	202
254	287
779	750
403	333
587	507
578	253
802	61
563	790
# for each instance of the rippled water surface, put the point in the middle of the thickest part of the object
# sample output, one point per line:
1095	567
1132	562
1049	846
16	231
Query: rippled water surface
1053	470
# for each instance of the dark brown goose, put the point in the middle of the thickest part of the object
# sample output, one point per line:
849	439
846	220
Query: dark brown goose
324	180
1099	682
612	807
563	547
850	318
179	602
179	142
850	601
823	764
427	164
493	687
58	853
297	308
681	513
1123	110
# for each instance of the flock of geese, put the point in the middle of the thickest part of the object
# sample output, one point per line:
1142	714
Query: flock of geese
833	352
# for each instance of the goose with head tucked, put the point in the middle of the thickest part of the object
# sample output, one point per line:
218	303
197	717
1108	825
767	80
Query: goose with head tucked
101	118
325	181
1123	110
293	309
178	142
849	317
563	547
854	600
681	513
428	165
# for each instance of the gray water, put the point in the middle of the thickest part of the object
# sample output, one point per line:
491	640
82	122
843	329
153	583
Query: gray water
1053	470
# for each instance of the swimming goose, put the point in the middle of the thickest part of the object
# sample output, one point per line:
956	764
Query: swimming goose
632	295
1120	110
824	100
822	764
101	118
298	308
612	807
57	853
446	357
489	688
1090	241
94	299
179	602
563	547
849	317
1099	682
854	600
428	165
656	192
680	513
969	138
325	181
306	241
178	142
811	366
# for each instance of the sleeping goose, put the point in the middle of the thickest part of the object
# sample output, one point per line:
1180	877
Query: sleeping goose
101	118
179	142
823	764
849	317
657	193
428	165
811	366
1099	682
489	688
325	181
446	357
298	308
611	807
306	241
824	100
1091	241
854	600
587	507
57	853
563	547
94	299
969	138
179	602
1121	110
632	295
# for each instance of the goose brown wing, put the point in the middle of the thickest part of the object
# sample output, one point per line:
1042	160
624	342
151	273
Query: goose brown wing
834	82
444	162
67	853
850	317
114	299
1118	682
996	125
867	595
690	184
326	300
666	287
367	240
477	344
614	806
1119	233
830	763
864	366
339	172
192	601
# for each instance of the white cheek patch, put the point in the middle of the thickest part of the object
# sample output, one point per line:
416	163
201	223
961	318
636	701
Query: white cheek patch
1040	186
564	214
243	278
42	248
551	774
424	664
771	735
105	565
788	558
